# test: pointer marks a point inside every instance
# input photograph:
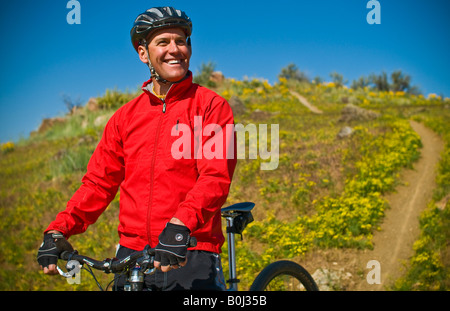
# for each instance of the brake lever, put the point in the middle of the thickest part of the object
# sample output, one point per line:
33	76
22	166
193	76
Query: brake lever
64	274
146	262
73	267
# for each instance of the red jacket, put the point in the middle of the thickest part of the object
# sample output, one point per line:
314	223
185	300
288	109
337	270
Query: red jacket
135	155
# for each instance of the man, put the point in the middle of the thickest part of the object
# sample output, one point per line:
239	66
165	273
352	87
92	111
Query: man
164	200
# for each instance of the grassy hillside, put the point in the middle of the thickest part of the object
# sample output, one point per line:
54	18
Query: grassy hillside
327	191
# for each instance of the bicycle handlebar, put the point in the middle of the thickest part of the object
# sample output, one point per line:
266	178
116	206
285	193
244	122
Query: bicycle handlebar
111	265
144	257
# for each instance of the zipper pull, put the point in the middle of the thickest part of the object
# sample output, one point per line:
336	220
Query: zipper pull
164	106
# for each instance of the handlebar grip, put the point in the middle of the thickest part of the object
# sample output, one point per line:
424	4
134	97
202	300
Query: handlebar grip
64	255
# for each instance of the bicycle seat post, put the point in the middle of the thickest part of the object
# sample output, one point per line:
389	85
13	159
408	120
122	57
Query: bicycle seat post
231	255
237	216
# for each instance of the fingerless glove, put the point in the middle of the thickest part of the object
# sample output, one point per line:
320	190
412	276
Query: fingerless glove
52	246
173	244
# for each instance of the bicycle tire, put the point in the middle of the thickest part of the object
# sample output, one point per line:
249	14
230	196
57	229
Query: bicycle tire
283	267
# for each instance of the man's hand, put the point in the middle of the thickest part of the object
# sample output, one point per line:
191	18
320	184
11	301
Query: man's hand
172	247
53	245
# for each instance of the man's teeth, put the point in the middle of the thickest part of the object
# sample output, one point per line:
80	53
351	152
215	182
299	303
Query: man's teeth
174	62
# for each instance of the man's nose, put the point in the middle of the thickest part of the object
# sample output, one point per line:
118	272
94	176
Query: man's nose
173	47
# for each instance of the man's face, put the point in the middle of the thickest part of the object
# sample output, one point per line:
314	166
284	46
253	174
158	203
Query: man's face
169	53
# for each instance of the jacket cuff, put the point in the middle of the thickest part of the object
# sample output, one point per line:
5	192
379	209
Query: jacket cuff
61	229
188	217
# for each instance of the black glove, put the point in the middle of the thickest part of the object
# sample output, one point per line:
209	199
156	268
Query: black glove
173	244
54	244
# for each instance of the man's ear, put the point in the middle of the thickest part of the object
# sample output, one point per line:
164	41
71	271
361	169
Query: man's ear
142	52
189	44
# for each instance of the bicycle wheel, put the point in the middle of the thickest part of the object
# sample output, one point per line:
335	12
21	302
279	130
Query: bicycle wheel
284	276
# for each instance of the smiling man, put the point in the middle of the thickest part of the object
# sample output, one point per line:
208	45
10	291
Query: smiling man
163	201
169	57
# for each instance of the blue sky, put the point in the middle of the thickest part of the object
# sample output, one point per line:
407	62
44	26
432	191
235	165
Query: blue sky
43	58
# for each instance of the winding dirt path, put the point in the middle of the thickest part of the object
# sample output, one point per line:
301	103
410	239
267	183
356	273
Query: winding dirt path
400	227
305	103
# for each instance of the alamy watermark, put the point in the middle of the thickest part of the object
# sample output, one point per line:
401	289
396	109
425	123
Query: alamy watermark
73	274
214	142
374	275
74	15
374	15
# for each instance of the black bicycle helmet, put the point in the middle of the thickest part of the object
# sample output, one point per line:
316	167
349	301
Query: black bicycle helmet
158	18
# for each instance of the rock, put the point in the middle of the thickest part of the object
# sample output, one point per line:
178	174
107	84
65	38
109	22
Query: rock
236	105
328	280
443	203
345	99
49	123
355	113
217	77
102	120
92	104
345	132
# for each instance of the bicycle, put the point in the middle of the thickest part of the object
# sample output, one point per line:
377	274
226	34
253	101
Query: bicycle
279	275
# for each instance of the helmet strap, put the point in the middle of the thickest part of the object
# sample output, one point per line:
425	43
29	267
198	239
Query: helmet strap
153	72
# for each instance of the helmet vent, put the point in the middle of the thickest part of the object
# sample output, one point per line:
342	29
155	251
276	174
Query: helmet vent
156	11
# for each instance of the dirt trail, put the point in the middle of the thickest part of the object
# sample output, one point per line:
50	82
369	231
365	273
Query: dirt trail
400	227
305	103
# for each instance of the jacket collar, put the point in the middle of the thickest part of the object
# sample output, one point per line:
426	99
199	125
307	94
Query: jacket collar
176	90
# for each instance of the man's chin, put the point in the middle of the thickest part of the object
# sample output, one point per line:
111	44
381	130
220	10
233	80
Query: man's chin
175	78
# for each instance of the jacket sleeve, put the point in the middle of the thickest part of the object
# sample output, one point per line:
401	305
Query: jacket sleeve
216	162
105	172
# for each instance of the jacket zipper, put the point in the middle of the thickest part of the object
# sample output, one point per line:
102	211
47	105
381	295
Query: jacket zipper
152	168
164	99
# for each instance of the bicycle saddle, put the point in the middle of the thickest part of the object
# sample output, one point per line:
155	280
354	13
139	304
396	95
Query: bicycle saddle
239	207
